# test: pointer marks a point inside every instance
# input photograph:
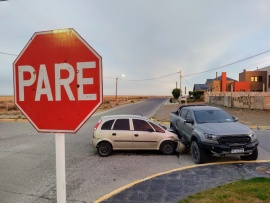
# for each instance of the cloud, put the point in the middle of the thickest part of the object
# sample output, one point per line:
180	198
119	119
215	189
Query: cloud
148	39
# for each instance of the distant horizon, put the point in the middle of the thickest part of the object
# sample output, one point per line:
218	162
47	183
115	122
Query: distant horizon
111	95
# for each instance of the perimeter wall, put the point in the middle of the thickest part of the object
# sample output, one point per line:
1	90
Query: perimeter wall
250	100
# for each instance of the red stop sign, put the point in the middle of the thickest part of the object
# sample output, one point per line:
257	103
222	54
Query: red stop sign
58	81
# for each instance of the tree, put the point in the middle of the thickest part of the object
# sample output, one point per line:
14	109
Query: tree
176	93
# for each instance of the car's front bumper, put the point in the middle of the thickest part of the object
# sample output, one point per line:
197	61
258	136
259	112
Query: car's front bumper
235	149
180	147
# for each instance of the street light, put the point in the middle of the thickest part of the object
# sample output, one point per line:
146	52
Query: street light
123	75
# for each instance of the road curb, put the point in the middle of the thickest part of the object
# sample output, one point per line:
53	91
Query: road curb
13	120
107	196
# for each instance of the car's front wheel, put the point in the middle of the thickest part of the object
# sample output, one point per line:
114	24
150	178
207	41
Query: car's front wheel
252	156
199	155
104	149
167	148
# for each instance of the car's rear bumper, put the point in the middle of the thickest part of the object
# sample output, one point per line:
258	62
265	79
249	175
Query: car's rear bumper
224	150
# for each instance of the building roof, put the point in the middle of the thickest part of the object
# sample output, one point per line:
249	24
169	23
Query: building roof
264	69
198	87
218	78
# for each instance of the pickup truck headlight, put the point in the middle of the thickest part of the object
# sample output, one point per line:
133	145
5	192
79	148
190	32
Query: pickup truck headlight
211	136
252	136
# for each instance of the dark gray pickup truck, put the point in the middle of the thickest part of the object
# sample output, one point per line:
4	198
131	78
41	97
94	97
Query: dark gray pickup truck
208	130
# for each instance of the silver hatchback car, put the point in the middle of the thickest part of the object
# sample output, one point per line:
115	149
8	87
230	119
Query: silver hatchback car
133	132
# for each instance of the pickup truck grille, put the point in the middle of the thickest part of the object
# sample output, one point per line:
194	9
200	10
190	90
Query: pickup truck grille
234	139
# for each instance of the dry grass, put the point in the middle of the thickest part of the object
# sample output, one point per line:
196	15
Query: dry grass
7	106
109	101
6	98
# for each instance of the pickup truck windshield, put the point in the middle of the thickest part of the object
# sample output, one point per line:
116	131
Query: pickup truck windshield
212	116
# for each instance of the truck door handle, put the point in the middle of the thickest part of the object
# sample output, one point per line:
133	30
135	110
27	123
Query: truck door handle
136	135
113	134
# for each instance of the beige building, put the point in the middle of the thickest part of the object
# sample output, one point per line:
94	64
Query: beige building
258	79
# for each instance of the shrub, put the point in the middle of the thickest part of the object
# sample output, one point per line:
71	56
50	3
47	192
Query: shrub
176	93
198	94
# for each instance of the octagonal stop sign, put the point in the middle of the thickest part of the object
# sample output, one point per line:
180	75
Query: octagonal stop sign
58	81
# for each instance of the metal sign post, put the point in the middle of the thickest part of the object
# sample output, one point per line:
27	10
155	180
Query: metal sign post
60	167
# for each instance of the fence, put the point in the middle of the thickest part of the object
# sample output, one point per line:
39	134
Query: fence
250	100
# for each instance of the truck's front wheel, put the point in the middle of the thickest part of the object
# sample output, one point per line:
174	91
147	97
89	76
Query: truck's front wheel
252	156
199	156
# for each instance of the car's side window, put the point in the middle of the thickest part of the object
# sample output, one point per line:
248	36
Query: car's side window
157	128
189	115
121	124
107	125
141	125
183	113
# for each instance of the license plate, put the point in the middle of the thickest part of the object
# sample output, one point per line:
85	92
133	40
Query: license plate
237	150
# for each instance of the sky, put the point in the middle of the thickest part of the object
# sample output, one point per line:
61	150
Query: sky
149	41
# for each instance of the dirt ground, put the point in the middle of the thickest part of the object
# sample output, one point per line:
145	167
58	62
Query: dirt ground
8	108
245	116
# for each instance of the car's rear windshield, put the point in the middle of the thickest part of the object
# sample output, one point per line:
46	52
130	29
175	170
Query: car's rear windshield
212	116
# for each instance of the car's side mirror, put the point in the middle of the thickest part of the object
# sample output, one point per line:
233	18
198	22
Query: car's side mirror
235	119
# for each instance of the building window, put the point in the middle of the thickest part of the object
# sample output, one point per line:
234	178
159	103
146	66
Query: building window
256	79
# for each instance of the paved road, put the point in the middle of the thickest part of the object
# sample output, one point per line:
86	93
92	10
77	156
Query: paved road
27	169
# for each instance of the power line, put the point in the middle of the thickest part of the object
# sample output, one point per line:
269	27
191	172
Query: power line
227	64
241	60
8	53
155	77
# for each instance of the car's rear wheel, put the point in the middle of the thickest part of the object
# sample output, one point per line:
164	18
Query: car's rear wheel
104	149
252	156
199	155
167	148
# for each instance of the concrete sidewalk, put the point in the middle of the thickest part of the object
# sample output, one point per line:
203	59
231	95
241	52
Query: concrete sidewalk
174	185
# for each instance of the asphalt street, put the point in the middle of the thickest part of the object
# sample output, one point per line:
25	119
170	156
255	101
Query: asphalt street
27	169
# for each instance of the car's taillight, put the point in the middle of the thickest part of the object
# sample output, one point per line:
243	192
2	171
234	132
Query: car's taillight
97	124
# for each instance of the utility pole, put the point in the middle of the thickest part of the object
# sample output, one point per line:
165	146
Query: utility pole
180	83
116	89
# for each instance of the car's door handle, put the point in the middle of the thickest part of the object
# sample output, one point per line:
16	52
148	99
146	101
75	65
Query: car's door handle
113	134
136	135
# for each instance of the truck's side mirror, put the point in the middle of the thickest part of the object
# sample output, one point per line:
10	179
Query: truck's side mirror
189	120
